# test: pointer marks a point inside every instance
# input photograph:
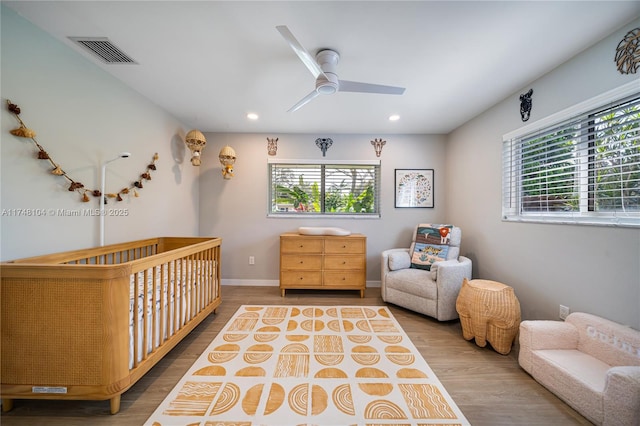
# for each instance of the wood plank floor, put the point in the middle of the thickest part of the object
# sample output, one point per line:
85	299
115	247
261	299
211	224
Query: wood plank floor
490	389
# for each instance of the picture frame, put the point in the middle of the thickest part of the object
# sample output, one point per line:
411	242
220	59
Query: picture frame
414	188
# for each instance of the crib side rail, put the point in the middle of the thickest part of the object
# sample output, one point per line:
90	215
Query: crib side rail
106	255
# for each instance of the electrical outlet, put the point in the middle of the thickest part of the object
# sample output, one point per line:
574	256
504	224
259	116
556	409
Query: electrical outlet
252	260
564	311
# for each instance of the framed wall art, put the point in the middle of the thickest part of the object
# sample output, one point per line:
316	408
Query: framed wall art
414	188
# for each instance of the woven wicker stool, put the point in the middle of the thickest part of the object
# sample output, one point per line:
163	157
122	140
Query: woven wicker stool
489	311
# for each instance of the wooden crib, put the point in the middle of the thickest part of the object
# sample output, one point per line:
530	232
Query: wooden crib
87	324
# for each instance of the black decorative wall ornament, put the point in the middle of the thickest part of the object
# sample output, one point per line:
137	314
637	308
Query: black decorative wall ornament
525	105
628	52
324	144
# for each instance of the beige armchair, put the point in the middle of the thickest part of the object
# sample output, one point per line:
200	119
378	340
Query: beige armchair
431	292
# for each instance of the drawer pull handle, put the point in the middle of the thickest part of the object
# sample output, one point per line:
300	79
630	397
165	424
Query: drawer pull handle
344	262
301	262
344	246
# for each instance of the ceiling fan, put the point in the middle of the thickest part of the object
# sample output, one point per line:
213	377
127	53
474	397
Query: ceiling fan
323	68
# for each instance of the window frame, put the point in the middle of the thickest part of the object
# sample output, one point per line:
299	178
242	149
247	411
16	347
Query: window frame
513	176
288	214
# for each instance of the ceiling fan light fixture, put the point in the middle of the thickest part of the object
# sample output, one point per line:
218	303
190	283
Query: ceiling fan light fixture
252	116
394	117
326	87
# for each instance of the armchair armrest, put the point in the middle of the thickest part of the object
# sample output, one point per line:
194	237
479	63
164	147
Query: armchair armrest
385	268
448	276
622	396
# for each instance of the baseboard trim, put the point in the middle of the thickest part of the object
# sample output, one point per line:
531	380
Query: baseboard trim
271	283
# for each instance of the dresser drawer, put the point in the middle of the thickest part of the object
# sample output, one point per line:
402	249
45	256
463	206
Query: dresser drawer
301	261
344	279
301	245
344	246
349	262
300	278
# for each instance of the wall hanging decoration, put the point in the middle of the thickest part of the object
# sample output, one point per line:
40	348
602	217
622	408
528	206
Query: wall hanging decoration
414	188
272	146
525	105
24	132
377	145
324	144
227	158
628	52
196	142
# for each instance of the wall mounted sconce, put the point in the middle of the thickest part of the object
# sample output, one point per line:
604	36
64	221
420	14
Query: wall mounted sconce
272	146
377	145
227	158
324	144
196	142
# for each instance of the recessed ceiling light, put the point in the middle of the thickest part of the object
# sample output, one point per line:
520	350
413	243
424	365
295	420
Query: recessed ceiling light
394	117
252	116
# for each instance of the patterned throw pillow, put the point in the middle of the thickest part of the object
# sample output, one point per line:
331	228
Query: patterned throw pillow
431	245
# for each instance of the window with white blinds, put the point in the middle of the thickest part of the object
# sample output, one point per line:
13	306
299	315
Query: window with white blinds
324	188
583	169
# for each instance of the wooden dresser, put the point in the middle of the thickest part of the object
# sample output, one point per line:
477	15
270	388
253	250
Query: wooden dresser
323	262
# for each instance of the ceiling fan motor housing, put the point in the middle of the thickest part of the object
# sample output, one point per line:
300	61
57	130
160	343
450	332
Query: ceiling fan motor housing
327	59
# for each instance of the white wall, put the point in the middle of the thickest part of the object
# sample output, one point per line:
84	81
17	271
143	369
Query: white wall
83	117
592	269
236	209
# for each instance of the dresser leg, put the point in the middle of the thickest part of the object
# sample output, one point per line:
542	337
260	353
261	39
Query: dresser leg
7	404
282	292
361	293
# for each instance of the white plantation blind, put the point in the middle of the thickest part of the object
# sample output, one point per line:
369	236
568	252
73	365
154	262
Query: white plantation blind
324	188
584	169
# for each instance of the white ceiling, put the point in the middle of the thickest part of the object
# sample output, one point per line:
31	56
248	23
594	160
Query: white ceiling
209	63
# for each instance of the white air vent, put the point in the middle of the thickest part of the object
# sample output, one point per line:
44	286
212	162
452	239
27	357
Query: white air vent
104	49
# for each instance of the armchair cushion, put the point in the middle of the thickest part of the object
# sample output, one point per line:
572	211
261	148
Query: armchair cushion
399	260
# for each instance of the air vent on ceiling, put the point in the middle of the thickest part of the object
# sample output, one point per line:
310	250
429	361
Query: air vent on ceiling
104	49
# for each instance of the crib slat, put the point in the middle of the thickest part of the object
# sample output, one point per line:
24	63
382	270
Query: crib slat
136	318
145	315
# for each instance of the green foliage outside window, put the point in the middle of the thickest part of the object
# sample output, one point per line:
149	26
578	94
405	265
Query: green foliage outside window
331	189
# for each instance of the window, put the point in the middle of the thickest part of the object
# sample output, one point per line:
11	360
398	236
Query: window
582	169
323	188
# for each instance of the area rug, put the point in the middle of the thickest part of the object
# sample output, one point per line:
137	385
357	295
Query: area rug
309	365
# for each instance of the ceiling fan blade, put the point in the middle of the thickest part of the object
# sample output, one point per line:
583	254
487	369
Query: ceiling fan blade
304	101
354	86
302	53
